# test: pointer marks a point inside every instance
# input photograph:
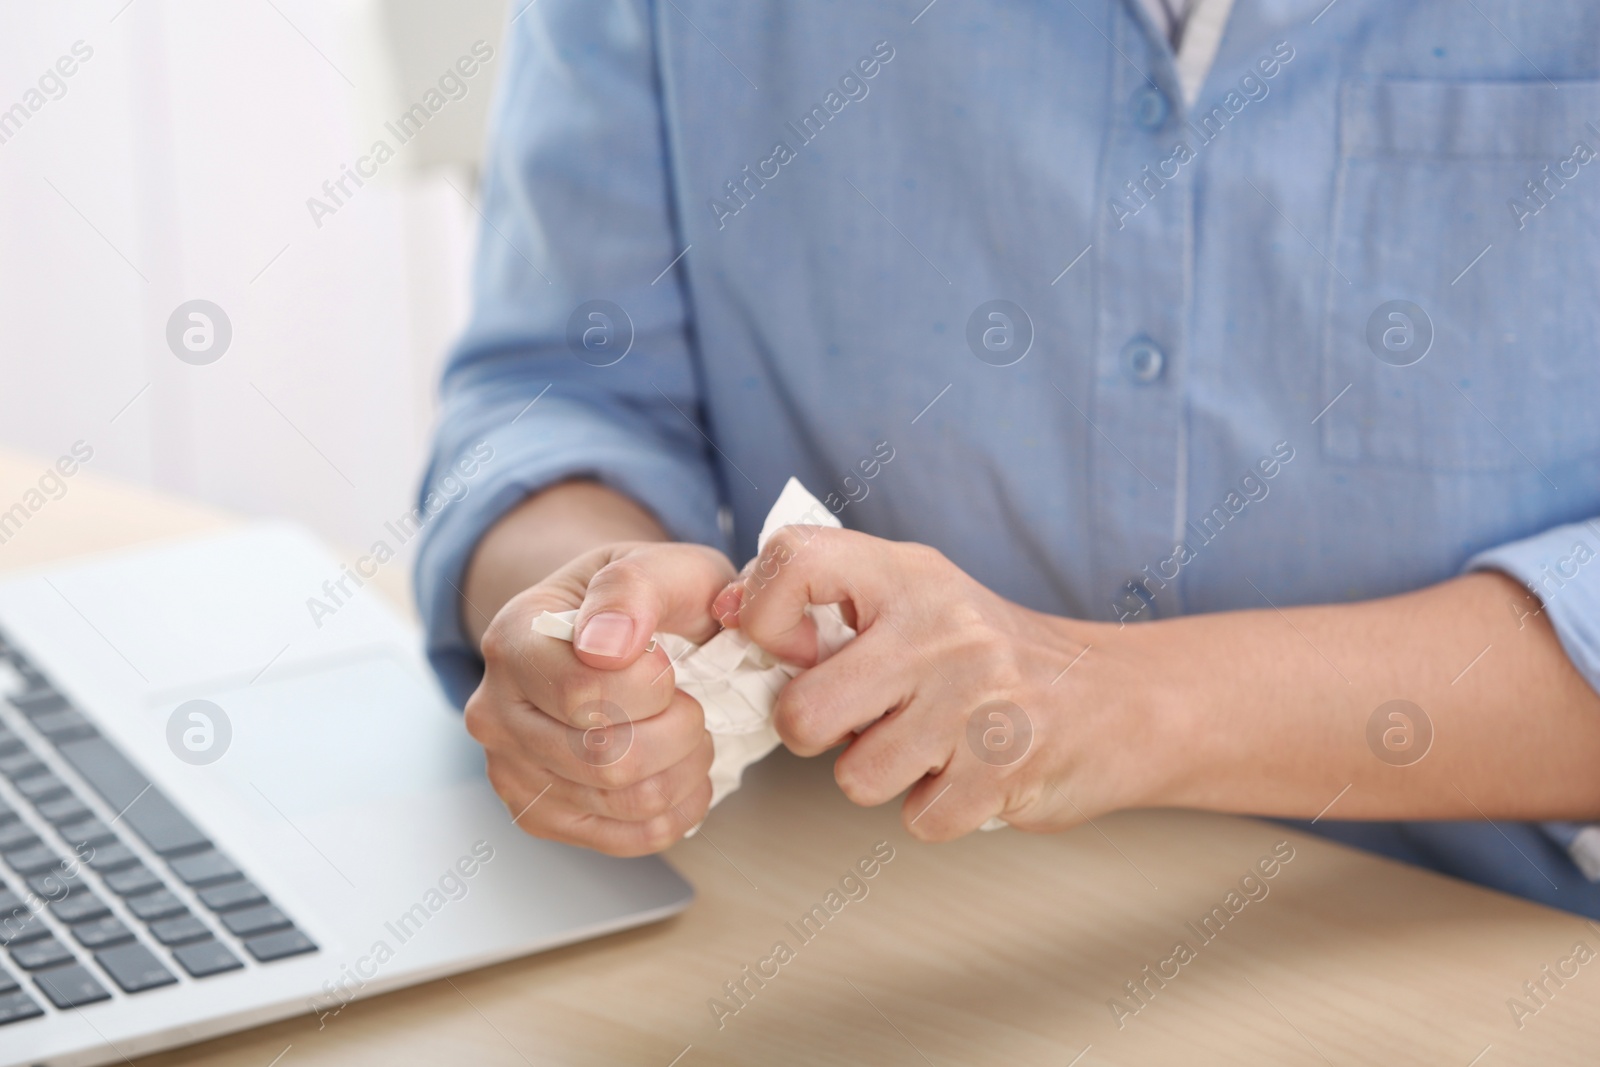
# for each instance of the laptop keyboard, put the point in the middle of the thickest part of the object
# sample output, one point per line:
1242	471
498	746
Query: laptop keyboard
83	917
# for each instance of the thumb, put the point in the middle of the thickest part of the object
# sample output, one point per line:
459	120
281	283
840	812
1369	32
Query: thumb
629	599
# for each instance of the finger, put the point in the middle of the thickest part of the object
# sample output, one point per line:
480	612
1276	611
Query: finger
601	753
978	782
802	565
619	838
655	795
538	812
609	753
859	684
630	598
943	807
894	755
575	693
544	672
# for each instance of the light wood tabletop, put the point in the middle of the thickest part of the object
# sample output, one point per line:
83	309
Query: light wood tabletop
1000	948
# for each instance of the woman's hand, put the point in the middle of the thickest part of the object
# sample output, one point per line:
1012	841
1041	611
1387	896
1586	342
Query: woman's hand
985	708
589	742
982	707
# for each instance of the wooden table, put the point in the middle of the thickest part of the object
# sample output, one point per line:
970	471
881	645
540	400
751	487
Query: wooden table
1003	948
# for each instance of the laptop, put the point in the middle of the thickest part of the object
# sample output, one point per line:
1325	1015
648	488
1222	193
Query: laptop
228	796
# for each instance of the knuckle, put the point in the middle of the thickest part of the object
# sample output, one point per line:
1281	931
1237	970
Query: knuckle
922	829
647	688
786	542
856	786
576	685
476	718
964	617
798	719
1006	675
1024	807
611	842
660	832
497	645
638	802
619	580
925	556
501	780
686	714
780	550
613	776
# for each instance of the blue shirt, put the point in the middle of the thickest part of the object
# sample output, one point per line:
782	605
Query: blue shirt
979	278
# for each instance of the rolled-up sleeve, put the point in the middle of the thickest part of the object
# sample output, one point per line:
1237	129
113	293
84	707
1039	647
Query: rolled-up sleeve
1561	567
576	208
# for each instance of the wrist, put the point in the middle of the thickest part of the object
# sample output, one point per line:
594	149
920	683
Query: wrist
540	536
1143	711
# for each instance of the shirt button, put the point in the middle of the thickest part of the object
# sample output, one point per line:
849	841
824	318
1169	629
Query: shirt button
1143	360
1150	107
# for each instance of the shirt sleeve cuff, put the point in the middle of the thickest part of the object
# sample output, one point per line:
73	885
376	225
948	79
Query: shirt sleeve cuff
1558	567
509	463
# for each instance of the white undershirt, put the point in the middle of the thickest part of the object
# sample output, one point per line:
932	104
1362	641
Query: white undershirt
1195	29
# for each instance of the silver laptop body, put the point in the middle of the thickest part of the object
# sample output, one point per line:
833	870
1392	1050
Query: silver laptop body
233	793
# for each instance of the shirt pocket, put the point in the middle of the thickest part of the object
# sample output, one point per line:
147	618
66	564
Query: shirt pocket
1461	331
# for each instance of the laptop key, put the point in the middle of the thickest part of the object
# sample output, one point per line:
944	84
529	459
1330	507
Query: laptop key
109	930
251	921
20	765
71	987
90	831
162	826
134	968
78	906
290	942
15	835
19	928
204	868
53	883
17	1006
230	895
32	859
37	683
67	809
144	807
41	700
63	725
179	931
39	787
37	955
206	958
132	880
10	743
7	983
161	904
111	857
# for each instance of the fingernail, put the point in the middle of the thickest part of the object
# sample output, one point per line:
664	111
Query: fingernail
606	634
726	606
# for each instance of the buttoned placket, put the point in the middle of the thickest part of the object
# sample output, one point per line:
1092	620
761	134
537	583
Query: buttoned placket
1137	407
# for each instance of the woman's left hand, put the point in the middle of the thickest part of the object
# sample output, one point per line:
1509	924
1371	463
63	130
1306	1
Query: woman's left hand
979	705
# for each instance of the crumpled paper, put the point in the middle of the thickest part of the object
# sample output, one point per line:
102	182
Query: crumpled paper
736	681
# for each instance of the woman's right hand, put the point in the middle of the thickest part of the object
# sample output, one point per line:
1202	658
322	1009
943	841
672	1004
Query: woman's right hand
590	743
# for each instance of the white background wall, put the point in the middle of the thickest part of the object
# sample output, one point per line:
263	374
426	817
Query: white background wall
177	165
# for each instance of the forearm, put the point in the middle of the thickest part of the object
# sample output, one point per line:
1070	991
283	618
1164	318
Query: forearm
541	535
1268	711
